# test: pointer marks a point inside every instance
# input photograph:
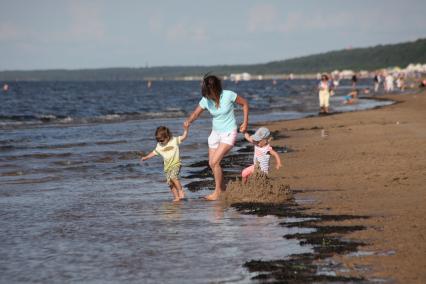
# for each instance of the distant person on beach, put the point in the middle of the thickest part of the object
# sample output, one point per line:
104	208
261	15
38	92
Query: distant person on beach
220	104
262	152
336	81
5	88
168	148
422	84
324	88
351	98
377	80
400	82
389	84
354	81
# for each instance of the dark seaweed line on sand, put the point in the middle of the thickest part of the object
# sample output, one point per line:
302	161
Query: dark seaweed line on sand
325	240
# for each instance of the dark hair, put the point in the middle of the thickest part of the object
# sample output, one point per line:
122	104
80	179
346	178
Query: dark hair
163	134
324	76
211	87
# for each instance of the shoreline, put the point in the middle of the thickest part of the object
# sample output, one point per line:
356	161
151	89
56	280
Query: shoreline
368	163
358	235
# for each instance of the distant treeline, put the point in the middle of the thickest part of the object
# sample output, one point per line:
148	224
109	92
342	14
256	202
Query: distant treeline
370	58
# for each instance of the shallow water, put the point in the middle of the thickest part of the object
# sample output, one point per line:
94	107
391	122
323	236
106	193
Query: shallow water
76	205
94	232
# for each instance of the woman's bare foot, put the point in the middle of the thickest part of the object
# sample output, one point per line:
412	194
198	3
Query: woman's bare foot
176	200
212	197
181	194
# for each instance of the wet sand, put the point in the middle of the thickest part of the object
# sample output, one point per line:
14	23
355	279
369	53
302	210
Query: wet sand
370	164
258	188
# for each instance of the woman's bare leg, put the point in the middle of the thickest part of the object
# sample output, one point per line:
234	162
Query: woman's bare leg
215	157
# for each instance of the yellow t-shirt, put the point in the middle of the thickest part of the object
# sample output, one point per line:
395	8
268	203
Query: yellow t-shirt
169	152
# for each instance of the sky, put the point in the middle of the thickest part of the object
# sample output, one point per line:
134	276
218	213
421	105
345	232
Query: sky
76	34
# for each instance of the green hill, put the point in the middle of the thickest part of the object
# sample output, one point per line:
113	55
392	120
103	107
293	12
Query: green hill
370	58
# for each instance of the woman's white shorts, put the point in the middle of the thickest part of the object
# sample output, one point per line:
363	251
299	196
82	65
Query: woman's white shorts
216	138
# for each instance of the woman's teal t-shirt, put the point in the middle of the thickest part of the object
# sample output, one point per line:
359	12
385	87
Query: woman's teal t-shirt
223	117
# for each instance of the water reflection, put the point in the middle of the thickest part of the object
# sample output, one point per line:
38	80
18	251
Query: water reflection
171	211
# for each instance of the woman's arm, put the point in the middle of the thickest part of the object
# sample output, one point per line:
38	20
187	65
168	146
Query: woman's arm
277	158
243	102
194	115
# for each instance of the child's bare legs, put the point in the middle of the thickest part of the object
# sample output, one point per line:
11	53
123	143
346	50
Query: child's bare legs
174	192
215	157
178	187
247	172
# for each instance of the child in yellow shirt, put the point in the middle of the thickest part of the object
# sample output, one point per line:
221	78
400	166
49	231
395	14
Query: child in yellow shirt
168	149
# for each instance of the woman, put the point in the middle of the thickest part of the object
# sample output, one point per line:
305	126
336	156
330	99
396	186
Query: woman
324	88
220	103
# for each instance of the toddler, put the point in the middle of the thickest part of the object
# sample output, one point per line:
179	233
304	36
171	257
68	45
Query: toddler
350	98
262	152
168	148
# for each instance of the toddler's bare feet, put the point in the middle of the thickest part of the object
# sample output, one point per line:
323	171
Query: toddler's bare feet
181	194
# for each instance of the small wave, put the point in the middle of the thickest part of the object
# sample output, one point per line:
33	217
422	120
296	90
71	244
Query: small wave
29	118
110	142
18	117
33	180
61	146
12	121
110	117
12	173
42	147
37	156
112	156
47	118
6	147
67	119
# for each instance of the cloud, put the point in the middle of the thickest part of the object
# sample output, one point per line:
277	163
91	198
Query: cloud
156	22
297	21
269	18
262	18
9	32
85	20
181	32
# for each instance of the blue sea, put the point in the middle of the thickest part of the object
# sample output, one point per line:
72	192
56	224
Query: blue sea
76	205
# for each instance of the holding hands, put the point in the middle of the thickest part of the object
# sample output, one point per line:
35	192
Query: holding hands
186	124
243	127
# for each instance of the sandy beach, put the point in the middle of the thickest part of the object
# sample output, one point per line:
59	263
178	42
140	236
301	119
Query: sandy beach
370	163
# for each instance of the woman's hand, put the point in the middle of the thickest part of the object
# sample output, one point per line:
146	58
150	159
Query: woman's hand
243	127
